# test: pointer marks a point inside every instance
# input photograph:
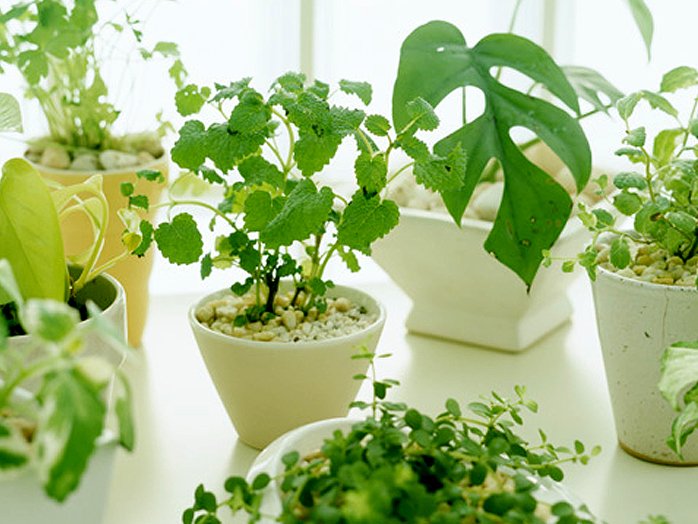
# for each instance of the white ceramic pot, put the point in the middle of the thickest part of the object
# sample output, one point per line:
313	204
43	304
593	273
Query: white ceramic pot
462	293
23	500
637	321
269	388
133	272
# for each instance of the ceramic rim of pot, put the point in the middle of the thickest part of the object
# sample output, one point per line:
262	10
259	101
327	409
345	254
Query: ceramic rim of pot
640	284
106	172
276	345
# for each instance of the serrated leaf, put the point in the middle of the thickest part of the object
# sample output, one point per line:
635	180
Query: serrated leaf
378	125
629	179
260	209
423	114
349	259
256	170
678	78
442	174
10	115
365	220
226	147
235	89
305	212
620	253
189	151
414	148
69	425
189	100
361	89
371	172
180	241
531	201
251	115
312	152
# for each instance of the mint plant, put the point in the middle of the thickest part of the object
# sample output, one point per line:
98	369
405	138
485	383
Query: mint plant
53	398
660	195
60	48
269	155
401	465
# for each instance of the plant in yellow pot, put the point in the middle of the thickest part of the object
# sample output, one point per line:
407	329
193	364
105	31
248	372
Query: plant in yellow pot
62	50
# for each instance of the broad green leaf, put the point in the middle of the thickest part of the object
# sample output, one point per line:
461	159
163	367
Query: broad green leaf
361	89
629	179
180	241
30	232
260	209
643	21
313	152
378	125
589	84
442	174
683	426
679	371
657	101
189	151
422	113
682	221
49	320
190	99
365	220
620	253
71	418
627	104
227	148
122	408
627	203
256	171
435	61
10	116
678	78
636	137
665	143
305	212
371	172
251	115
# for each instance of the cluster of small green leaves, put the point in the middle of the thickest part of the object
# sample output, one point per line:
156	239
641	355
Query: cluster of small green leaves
400	465
65	391
662	195
272	196
57	46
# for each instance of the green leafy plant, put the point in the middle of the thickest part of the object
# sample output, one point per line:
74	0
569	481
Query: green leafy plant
400	465
60	48
269	155
659	197
52	396
534	208
31	239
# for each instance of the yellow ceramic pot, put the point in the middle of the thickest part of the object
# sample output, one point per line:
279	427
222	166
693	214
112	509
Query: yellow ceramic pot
133	272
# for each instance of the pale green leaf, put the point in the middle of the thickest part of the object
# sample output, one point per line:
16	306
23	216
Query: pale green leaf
10	115
620	253
643	21
361	89
679	78
48	320
679	371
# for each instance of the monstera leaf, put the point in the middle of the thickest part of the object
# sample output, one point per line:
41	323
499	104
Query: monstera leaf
434	61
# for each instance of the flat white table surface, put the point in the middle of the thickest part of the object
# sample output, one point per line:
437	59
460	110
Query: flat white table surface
184	436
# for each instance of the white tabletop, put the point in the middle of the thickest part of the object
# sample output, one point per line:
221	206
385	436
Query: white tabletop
185	436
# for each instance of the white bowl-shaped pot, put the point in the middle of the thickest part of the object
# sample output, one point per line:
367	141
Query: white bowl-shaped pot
462	293
133	272
637	321
269	388
23	500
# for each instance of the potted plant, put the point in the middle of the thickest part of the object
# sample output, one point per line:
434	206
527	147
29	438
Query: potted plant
644	277
62	50
396	464
269	341
534	206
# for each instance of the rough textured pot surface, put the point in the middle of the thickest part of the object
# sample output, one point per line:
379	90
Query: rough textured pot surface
636	322
108	294
133	272
269	388
462	293
23	500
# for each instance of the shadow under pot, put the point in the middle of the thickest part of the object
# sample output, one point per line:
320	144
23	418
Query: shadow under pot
269	387
637	321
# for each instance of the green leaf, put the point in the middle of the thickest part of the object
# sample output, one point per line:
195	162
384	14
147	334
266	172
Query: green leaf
146	229
190	99
678	78
9	289
189	151
312	152
371	172
435	61
643	21
305	212
603	218
261	481
442	173
665	143
589	84
414	148
453	408
627	104
627	180
180	241
226	147
682	221
413	419
251	115
361	89
71	418
620	253
682	427
636	137
122	409
679	367
422	113
30	232
378	125
48	320
365	220
256	171
349	259
10	115
627	203
260	209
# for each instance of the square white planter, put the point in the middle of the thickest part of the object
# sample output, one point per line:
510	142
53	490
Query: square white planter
462	293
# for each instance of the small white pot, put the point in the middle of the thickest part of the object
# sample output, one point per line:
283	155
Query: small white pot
23	500
269	388
462	293
637	321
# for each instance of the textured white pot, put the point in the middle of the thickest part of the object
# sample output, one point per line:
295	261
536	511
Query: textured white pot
462	293
23	500
637	321
269	388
